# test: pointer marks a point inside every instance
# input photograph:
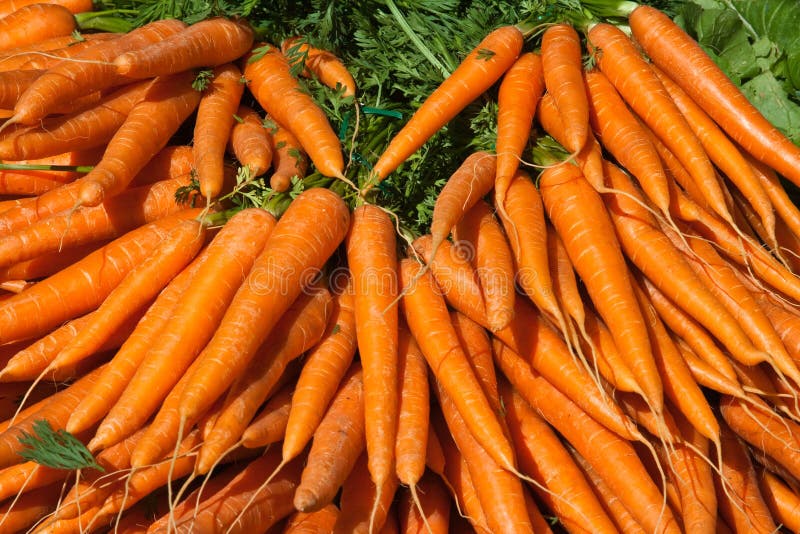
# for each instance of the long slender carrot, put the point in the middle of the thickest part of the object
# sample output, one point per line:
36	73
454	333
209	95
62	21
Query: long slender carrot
571	203
478	349
270	80
781	500
519	94
493	261
225	263
276	279
300	327
208	43
427	318
29	58
212	127
337	444
33	23
319	380
82	286
484	65
250	142
683	60
330	70
371	257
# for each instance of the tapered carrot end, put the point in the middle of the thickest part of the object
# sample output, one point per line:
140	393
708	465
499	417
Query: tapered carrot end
91	193
305	500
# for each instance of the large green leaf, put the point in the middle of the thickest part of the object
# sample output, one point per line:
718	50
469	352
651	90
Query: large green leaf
769	96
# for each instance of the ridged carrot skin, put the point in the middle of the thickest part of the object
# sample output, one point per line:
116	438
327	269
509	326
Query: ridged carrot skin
250	142
208	43
13	83
33	23
270	80
484	65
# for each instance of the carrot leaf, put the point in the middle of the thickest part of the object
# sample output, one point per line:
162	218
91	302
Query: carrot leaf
202	80
55	448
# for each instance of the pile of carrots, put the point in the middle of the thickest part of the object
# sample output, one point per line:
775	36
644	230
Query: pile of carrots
609	346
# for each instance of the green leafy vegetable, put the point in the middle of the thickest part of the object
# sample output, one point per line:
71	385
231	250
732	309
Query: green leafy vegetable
55	448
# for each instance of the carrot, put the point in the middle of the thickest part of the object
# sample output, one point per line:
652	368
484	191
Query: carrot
324	368
148	127
492	258
413	413
269	425
519	93
706	375
321	63
499	491
83	286
29	181
740	500
372	261
13	83
138	287
208	43
69	80
288	258
337	444
289	159
85	129
21	514
433	514
426	314
225	263
475	342
30	57
170	162
641	89
585	227
484	65
561	61
613	457
562	273
544	458
358	514
313	522
250	141
75	6
473	179
34	23
212	127
55	44
123	365
781	500
688	65
111	219
300	327
25	477
270	80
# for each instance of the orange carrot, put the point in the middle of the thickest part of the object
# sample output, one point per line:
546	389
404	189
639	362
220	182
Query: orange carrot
288	160
270	80
433	512
519	93
212	127
323	64
475	342
492	258
13	83
288	257
484	65
571	204
250	141
208	43
781	500
269	425
358	514
324	368
372	259
30	57
683	60
313	522
337	444
413	413
34	23
75	6
170	162
561	61
429	322
21	514
225	263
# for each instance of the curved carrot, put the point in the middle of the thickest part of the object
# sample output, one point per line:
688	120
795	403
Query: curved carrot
484	65
225	263
208	43
35	22
562	66
372	259
519	94
250	142
212	127
323	64
270	80
276	279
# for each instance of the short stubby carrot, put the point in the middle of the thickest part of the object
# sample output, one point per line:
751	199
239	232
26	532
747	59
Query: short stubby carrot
250	142
484	65
33	23
212	127
289	160
683	60
270	80
372	259
582	221
208	43
296	249
321	63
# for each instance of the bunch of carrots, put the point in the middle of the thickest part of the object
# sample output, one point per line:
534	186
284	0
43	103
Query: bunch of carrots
602	339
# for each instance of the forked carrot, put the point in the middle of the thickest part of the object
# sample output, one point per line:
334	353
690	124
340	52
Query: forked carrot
484	65
270	80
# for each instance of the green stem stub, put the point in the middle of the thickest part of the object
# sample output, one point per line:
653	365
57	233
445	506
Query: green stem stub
55	448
